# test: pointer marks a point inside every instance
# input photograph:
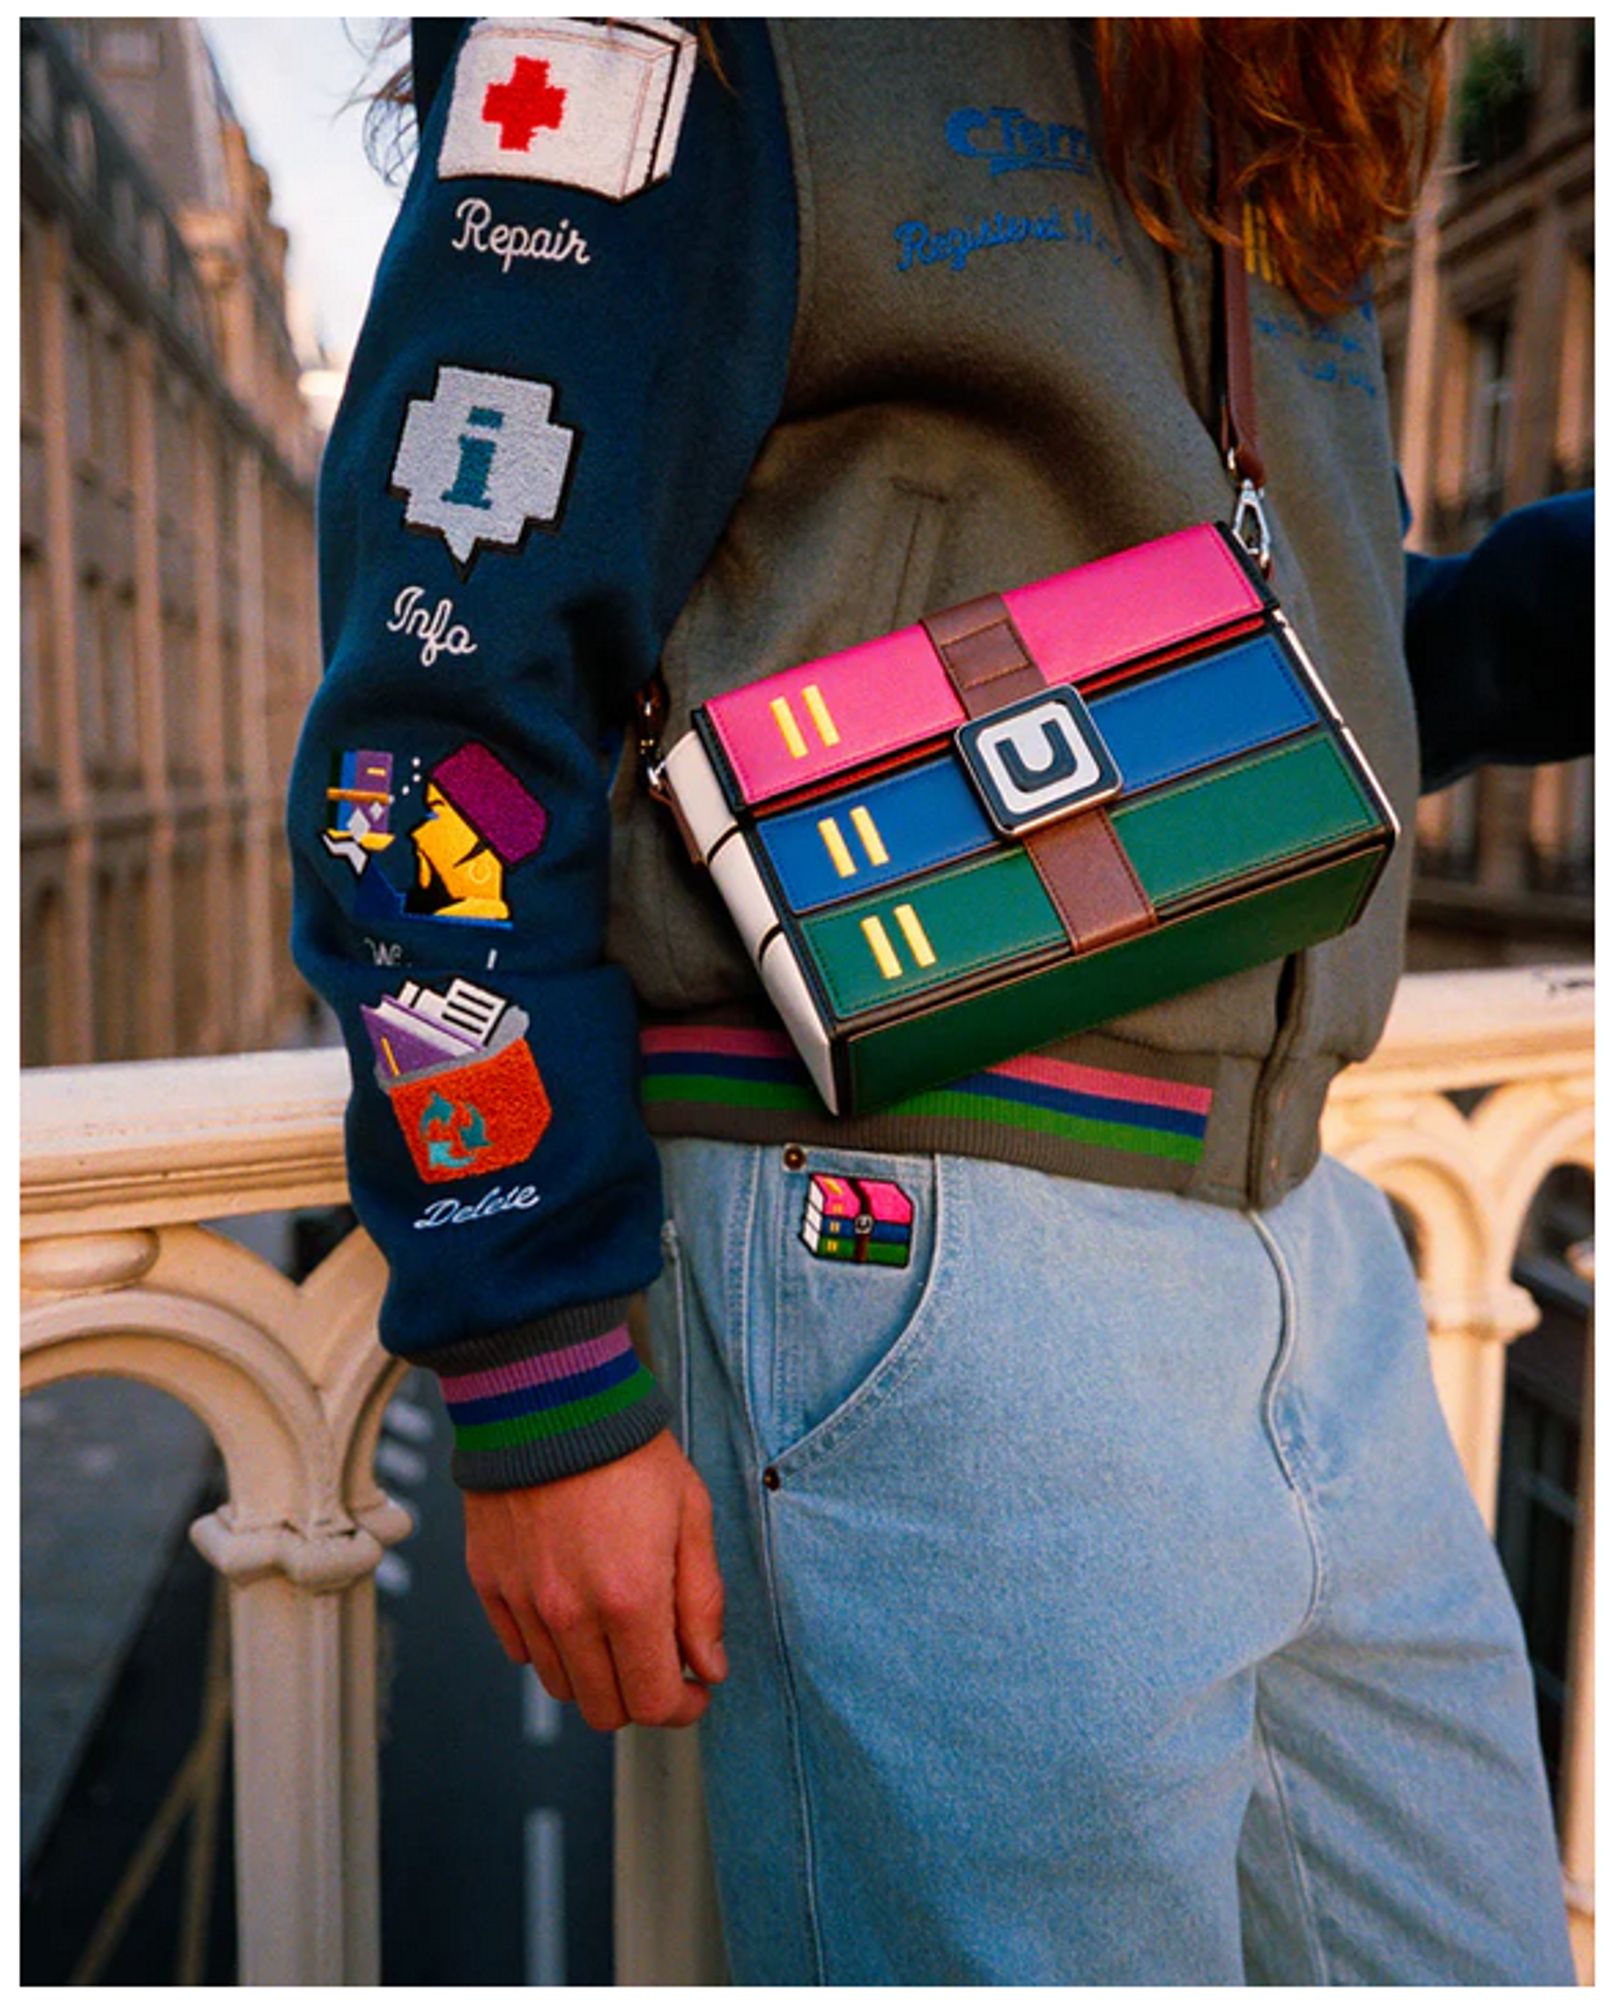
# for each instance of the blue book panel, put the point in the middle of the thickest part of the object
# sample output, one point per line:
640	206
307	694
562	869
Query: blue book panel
866	836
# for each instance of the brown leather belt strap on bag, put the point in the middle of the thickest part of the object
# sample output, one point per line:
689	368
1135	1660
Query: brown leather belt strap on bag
985	657
1087	876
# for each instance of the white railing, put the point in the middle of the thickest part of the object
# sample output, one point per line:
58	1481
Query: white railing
122	1163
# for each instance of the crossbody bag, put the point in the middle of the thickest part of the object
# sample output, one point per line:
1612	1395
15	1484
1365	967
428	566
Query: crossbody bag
1035	811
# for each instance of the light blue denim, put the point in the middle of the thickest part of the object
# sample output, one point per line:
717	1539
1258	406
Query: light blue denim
1119	1613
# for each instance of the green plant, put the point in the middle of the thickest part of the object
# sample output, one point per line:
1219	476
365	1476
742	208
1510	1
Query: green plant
1493	99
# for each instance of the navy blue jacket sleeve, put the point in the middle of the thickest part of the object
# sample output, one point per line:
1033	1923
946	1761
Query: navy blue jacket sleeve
575	345
1499	643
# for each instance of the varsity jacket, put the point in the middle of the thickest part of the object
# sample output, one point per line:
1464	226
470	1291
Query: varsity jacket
716	370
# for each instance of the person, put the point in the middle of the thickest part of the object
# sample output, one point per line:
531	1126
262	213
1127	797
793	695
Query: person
1093	1596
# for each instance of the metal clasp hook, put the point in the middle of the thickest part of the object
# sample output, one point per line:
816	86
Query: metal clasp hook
650	710
1250	525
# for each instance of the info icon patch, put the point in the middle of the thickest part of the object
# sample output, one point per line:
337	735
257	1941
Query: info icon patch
1037	760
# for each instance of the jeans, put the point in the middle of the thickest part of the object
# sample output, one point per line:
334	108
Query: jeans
1106	1604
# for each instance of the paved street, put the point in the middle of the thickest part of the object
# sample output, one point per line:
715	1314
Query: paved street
495	1803
109	1472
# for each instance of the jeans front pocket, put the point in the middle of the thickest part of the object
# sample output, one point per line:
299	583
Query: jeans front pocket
847	1245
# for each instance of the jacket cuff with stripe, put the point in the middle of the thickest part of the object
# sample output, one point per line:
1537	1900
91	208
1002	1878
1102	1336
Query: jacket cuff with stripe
557	1396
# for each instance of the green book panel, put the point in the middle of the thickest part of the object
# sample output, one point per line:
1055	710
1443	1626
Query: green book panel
1283	802
926	1050
960	921
1277	805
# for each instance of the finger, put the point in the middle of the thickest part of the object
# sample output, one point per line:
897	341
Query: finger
505	1629
592	1673
699	1593
538	1646
547	1665
650	1673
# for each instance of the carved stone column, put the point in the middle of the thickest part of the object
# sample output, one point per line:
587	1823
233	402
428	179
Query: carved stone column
291	1384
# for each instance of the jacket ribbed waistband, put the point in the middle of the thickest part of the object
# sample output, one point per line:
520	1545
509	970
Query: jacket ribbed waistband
1226	1129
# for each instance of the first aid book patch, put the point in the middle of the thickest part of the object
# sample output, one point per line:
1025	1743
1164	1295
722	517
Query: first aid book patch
583	104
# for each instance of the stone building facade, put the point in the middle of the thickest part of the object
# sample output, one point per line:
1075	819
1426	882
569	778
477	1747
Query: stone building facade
1487	318
167	578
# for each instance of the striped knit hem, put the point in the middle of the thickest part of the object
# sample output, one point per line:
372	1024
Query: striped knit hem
547	1394
542	1400
1098	1120
566	1326
533	1457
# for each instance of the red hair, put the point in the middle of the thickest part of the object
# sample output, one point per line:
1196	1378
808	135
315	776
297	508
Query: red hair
1334	124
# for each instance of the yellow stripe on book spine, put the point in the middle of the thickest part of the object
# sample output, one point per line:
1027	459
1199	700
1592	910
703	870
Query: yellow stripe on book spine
839	853
789	728
818	709
884	957
914	931
869	834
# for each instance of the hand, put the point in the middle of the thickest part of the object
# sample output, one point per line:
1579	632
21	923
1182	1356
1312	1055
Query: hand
607	1581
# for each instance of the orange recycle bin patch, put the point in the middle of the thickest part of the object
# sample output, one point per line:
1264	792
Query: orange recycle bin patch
463	1085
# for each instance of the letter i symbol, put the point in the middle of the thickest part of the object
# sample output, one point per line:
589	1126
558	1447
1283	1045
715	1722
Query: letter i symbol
470	488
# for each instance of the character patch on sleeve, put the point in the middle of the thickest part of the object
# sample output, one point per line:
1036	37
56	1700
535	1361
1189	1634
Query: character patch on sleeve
360	800
480	822
481	461
595	105
460	1077
857	1221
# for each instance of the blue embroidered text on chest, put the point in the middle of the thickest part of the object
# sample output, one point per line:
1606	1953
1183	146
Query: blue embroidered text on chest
1015	143
955	245
1322	350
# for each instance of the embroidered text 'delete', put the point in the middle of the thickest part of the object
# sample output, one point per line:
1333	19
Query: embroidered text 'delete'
497	1201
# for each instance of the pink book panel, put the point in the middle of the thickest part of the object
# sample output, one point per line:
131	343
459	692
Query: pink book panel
812	722
887	1203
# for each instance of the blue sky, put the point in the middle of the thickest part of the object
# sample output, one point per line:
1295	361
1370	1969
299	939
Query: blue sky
288	79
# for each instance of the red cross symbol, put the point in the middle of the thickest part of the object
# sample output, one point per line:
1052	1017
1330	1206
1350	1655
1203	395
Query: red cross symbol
523	102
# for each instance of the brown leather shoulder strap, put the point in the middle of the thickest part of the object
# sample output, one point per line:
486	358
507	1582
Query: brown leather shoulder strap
1241	436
